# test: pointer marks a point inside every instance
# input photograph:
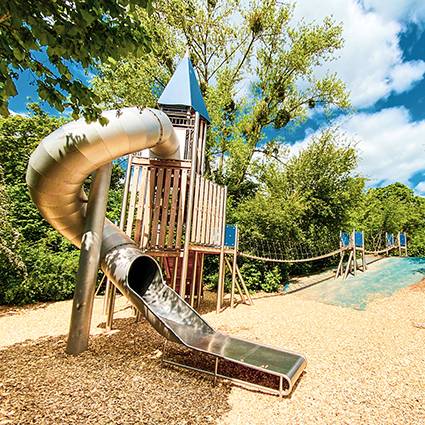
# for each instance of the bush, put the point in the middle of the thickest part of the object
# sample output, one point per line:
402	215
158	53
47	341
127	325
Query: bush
416	245
51	270
272	280
252	273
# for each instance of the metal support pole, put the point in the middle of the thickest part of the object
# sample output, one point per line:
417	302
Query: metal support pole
82	306
111	291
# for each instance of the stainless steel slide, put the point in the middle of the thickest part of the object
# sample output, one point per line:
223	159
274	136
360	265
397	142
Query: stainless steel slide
56	172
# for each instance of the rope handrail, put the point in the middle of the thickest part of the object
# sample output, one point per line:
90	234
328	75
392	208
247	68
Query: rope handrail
389	248
301	260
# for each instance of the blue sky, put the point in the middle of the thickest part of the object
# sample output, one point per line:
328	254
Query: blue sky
383	65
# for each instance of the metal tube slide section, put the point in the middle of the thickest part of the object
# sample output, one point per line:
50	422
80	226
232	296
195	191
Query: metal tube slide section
63	160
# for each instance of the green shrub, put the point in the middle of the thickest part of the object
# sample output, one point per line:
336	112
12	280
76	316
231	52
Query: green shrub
272	280
416	245
51	267
252	273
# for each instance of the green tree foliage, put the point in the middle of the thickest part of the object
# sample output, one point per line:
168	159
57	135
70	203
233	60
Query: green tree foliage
306	198
83	32
305	201
237	48
36	263
392	208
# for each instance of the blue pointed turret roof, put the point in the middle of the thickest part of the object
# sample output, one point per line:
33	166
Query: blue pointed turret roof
183	89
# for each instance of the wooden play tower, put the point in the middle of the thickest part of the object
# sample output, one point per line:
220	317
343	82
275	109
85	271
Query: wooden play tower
170	209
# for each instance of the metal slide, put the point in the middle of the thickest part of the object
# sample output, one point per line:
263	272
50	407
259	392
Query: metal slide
56	171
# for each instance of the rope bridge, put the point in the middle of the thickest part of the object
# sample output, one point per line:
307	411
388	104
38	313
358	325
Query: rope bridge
381	243
278	252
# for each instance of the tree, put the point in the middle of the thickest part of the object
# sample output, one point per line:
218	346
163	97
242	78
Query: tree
308	198
256	69
392	209
65	33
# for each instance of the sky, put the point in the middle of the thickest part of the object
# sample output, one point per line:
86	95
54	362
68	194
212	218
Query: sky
383	65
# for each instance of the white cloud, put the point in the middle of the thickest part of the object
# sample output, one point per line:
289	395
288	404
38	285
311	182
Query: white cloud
400	10
403	76
371	61
391	146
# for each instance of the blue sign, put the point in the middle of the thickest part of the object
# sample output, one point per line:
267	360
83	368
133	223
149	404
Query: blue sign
345	239
230	235
358	239
390	239
402	239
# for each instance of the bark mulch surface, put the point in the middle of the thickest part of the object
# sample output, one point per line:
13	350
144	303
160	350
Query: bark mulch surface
120	380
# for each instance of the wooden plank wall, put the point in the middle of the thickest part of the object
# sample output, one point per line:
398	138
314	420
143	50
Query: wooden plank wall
208	220
156	208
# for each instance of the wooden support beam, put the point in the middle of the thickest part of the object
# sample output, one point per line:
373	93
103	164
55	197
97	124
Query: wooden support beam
235	263
237	286
189	212
251	302
347	270
200	282
193	285
220	289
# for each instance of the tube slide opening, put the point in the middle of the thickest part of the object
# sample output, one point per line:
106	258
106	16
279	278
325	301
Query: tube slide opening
142	273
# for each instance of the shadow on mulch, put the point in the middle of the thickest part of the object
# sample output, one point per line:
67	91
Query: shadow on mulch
120	380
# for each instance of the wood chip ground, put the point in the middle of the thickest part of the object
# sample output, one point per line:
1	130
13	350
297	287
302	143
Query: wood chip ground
364	367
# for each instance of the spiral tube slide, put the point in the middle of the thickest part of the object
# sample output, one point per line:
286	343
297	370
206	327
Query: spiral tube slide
56	172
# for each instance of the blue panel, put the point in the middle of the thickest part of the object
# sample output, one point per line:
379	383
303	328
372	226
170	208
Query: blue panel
402	239
183	89
230	235
358	238
390	239
345	239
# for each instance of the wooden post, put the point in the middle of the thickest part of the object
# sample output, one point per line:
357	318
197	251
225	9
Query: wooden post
405	244
221	274
354	252
192	288
201	277
176	266
189	211
341	259
238	287
244	286
347	270
235	262
386	244
364	253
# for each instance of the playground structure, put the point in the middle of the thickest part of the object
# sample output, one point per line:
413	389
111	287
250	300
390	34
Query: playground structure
170	210
391	243
351	247
351	244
